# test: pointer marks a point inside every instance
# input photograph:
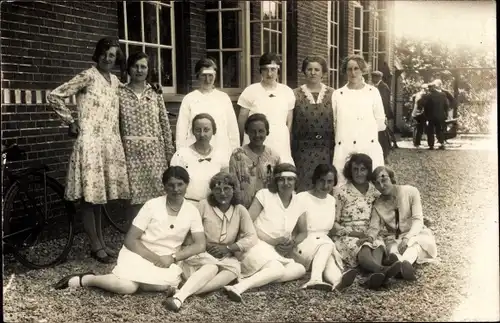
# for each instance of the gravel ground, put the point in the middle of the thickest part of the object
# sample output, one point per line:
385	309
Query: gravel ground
460	197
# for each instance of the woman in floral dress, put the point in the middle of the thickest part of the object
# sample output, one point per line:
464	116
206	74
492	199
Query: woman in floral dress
353	210
97	170
253	163
146	134
312	128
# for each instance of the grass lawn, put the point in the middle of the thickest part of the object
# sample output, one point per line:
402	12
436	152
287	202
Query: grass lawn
459	191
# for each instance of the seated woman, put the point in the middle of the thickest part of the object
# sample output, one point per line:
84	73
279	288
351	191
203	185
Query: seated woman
200	159
275	212
229	232
253	164
399	209
353	209
314	249
152	246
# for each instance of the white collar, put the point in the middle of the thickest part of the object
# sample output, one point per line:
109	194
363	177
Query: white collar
309	95
229	213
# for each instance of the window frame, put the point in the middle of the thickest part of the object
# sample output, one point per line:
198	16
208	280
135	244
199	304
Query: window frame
370	54
334	62
382	10
358	51
169	4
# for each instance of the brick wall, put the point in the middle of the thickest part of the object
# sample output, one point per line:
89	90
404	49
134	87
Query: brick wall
43	45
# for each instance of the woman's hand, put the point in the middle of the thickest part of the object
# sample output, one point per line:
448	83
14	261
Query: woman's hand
363	240
164	261
284	247
218	251
73	130
357	234
403	246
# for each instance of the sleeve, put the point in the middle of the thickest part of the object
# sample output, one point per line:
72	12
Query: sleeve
66	90
261	196
232	124
378	110
417	218
234	170
245	100
196	223
247	236
334	109
375	225
165	129
291	98
143	218
341	230
183	124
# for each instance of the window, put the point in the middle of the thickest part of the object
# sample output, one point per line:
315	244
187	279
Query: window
267	33
224	42
333	43
370	36
358	29
149	26
382	32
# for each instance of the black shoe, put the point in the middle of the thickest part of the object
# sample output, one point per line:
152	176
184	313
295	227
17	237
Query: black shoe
407	271
390	259
392	271
105	260
431	148
442	147
375	281
63	283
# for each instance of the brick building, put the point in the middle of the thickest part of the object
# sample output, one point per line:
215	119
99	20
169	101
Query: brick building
45	43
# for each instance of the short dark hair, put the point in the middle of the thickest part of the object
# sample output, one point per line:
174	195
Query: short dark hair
268	58
133	58
257	117
105	44
283	167
204	63
363	65
322	170
389	171
204	116
357	158
315	59
226	178
175	172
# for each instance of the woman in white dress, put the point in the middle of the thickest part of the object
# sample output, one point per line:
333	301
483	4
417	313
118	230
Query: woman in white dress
358	115
399	210
276	101
207	99
201	159
147	260
275	212
314	249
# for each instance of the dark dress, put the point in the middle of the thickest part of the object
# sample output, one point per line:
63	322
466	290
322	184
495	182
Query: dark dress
312	132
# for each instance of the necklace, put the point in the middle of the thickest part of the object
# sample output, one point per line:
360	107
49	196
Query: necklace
172	208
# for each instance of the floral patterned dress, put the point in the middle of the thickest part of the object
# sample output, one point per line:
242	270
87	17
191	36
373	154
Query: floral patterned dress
147	140
312	132
353	212
253	171
97	170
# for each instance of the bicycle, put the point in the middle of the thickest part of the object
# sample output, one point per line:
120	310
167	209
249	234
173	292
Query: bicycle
37	221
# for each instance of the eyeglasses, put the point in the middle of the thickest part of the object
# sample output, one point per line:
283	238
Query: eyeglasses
225	189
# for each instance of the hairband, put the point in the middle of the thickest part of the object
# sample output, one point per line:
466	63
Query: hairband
208	71
274	65
286	174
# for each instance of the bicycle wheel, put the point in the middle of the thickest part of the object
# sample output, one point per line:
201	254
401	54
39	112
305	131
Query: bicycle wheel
115	212
38	222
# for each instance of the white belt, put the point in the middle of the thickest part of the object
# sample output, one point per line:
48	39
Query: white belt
140	137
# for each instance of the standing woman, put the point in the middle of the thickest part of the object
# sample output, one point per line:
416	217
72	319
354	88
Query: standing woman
207	99
146	134
359	115
276	101
312	129
97	170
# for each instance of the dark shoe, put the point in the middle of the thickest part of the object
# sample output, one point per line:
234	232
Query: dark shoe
171	305
390	259
442	147
233	294
375	281
407	271
318	285
392	271
431	148
347	279
63	283
105	260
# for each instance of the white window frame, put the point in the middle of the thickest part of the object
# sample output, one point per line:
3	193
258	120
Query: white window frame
282	54
383	30
170	4
358	50
371	53
334	62
220	50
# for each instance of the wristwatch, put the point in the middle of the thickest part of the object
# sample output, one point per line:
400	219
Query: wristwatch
174	257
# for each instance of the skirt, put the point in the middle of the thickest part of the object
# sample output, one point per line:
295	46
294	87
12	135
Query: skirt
192	264
258	256
133	267
425	239
305	251
348	248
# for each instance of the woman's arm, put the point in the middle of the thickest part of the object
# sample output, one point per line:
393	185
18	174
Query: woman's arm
301	229
289	120
133	243
232	124
247	235
165	129
195	248
417	218
255	209
183	124
375	225
378	110
242	118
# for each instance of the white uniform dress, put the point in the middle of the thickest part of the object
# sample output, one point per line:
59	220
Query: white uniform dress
275	221
275	105
163	235
219	106
200	169
358	116
320	215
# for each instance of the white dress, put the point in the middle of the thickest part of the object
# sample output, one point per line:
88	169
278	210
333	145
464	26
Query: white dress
358	116
163	235
275	105
276	222
200	169
320	215
219	106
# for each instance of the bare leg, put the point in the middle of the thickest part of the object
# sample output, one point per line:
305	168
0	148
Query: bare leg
155	288
223	278
111	283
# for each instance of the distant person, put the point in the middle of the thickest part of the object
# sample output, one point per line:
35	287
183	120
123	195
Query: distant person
417	114
451	99
435	110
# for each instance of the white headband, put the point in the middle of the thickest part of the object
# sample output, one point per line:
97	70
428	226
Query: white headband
208	71
286	174
270	66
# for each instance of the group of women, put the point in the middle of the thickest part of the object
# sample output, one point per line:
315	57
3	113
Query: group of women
305	191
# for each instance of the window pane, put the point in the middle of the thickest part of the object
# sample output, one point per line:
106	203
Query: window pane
266	43
382	21
330	78
357	39
381	58
165	26
215	57
277	26
150	23
255	45
121	21
134	21
279	37
381	41
366	38
335	62
212	33
211	4
331	57
134	49
335	34
153	64
167	78
230	29
266	10
229	4
357	17
273	10
231	69
279	10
